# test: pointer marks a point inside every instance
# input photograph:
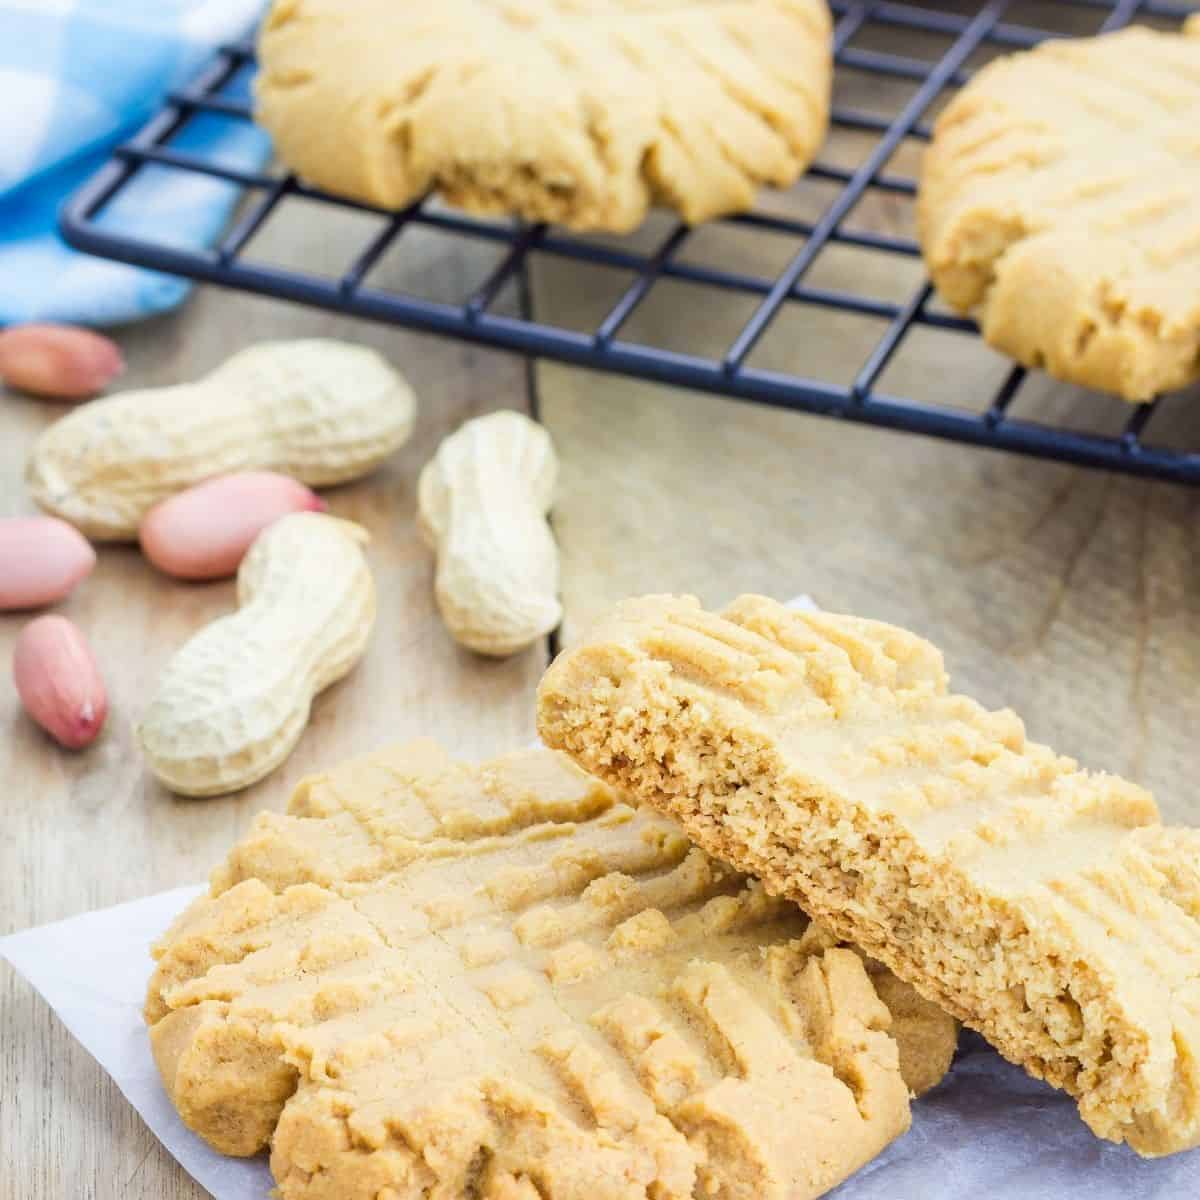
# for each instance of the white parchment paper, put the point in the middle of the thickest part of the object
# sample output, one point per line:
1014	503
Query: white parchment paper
987	1131
93	970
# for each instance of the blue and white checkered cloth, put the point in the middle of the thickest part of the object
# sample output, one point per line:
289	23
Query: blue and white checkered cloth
76	77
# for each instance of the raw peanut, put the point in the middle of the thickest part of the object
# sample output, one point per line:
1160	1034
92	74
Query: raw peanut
204	533
319	411
58	362
42	560
58	681
233	702
482	504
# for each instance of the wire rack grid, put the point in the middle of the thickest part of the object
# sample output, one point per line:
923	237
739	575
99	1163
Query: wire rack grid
475	316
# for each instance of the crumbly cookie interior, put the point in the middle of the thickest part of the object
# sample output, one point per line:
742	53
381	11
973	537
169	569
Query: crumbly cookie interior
1042	905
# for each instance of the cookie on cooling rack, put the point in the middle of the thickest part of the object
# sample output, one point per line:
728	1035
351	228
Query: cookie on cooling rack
580	112
1060	204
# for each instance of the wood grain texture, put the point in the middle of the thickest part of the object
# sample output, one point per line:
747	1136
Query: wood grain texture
83	831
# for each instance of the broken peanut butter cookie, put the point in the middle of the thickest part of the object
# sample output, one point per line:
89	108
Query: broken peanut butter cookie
1043	905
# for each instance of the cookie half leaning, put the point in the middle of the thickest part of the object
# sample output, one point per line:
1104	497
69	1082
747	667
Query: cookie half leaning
1043	905
430	979
1060	204
585	114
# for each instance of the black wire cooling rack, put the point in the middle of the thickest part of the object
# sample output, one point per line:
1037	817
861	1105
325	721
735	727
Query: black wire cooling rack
475	316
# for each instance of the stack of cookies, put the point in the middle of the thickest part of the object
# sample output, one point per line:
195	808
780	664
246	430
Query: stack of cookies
717	954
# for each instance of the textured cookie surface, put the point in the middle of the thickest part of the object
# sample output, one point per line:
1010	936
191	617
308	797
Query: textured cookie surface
436	980
1043	905
582	112
1060	203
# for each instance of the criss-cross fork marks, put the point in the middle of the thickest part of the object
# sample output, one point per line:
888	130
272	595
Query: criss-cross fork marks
767	657
870	705
580	114
1041	903
427	974
1059	200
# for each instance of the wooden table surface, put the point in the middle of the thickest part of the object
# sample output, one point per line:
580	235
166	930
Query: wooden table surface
1074	596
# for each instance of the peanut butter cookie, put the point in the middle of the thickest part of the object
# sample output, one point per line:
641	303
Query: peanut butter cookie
1060	204
430	979
1044	906
582	112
